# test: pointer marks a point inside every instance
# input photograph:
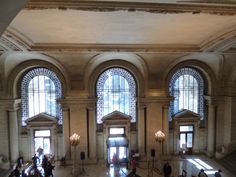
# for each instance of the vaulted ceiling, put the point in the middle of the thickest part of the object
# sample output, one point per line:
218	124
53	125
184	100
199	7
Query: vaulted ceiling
151	34
187	25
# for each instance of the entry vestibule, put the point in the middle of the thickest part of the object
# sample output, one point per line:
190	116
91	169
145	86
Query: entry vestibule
41	130
116	128
186	132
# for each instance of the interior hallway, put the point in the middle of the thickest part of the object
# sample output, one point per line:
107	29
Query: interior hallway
192	164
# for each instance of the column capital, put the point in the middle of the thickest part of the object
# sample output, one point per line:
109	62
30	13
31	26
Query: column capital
64	108
10	104
211	100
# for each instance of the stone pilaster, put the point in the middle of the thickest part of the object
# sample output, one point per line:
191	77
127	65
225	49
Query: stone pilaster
165	128
141	129
66	133
92	132
12	106
156	119
211	126
14	137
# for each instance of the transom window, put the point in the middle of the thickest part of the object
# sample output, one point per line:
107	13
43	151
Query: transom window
116	91
186	86
116	131
40	88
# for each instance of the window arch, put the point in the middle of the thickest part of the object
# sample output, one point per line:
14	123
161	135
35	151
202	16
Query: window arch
40	88
116	90
187	87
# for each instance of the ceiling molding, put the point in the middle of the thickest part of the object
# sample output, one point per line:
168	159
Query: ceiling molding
14	40
7	44
116	47
177	7
220	42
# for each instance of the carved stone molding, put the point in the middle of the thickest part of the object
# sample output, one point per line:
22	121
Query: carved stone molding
223	9
10	104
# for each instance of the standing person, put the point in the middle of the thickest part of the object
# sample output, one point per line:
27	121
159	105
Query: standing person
40	152
35	160
133	165
202	173
167	169
45	163
217	174
49	169
16	172
115	160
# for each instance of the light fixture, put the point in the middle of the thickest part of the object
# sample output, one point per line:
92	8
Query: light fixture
74	141
159	136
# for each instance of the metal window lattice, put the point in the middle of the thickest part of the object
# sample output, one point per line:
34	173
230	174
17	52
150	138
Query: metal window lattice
25	92
116	90
175	88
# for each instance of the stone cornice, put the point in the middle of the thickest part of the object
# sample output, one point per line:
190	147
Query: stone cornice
182	7
213	100
116	47
155	99
73	100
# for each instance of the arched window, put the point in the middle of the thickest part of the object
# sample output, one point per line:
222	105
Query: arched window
40	88
116	91
186	86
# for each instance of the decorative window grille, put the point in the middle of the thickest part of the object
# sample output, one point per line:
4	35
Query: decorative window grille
116	91
40	88
187	87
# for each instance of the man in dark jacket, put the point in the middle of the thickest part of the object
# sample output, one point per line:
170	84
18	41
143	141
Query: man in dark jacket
167	169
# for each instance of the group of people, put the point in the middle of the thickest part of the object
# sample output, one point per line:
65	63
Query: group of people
133	164
203	174
36	160
17	172
167	172
167	169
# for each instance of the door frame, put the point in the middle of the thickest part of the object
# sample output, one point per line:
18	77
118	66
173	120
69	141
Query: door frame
116	119
187	118
44	137
187	150
42	122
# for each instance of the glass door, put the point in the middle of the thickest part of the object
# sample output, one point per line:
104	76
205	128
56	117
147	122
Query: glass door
42	142
186	138
120	152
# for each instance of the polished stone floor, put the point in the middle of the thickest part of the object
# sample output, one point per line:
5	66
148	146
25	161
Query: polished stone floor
192	164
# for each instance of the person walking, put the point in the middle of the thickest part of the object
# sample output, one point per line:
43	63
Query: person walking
202	173
133	165
35	160
218	173
167	169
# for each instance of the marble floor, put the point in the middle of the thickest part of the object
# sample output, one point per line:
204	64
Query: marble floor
192	164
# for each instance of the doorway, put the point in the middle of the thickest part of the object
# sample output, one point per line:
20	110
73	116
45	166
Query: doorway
186	134
42	139
117	144
119	151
